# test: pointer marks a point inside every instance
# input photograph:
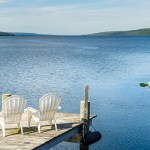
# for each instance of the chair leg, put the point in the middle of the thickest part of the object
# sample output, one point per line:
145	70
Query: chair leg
18	125
29	122
55	125
39	127
29	119
3	129
50	122
21	128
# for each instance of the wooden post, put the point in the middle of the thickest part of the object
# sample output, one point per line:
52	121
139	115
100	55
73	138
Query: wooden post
87	107
84	116
4	97
82	111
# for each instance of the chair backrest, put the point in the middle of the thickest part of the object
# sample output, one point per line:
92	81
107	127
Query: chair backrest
49	104
13	109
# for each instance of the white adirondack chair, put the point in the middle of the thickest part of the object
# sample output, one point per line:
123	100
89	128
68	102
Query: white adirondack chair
13	110
49	104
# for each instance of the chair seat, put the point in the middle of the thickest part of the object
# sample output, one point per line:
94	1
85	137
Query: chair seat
1	118
36	116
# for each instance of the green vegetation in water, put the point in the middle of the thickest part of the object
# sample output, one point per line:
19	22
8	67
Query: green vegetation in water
143	84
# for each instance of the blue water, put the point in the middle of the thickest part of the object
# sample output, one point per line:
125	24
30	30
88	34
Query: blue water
113	67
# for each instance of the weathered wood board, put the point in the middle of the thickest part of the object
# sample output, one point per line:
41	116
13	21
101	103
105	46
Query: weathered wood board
68	125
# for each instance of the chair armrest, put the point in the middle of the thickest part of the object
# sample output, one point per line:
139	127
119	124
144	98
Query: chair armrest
1	118
1	114
32	110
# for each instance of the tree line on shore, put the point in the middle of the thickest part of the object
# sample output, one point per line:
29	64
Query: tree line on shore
139	32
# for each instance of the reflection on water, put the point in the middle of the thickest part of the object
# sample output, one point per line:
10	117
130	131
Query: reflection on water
113	67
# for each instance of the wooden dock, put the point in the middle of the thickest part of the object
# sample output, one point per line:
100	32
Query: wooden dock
68	126
70	129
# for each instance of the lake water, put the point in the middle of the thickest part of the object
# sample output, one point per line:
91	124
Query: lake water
113	67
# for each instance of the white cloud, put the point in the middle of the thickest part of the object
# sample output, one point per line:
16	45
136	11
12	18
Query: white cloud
4	1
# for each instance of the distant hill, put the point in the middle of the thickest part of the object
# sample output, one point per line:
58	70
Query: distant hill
139	32
20	34
28	34
6	34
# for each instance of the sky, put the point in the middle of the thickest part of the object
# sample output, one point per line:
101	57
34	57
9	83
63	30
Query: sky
73	17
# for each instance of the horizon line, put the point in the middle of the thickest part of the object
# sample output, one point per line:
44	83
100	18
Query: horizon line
73	34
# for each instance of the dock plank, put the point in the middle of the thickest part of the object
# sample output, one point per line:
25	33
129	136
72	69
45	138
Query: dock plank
68	125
